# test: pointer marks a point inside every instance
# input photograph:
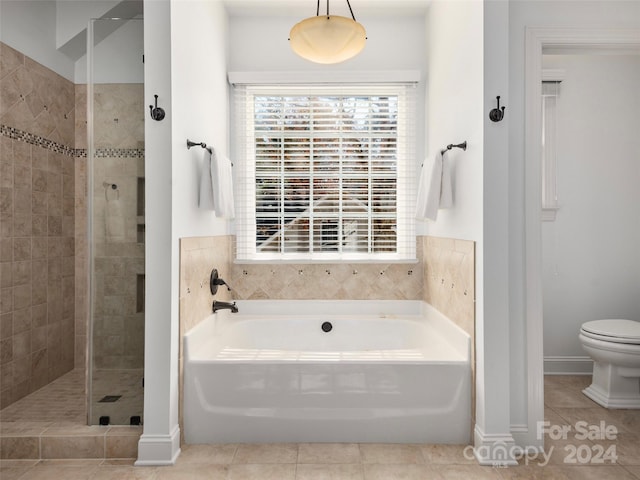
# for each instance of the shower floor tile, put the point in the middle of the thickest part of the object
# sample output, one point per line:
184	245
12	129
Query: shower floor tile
62	400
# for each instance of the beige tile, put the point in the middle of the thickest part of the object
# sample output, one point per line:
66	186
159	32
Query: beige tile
220	454
124	430
262	472
465	472
593	416
328	453
73	447
67	428
108	472
266	453
329	472
587	473
19	447
122	446
627	419
567	398
24	428
14	469
522	472
559	452
119	462
70	462
66	472
628	449
633	470
397	472
192	472
390	453
446	454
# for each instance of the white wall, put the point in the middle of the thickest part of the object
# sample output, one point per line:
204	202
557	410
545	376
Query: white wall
523	13
258	44
467	68
185	64
590	253
117	58
160	441
455	111
30	28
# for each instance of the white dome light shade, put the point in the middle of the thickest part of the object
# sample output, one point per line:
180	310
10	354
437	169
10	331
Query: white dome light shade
327	39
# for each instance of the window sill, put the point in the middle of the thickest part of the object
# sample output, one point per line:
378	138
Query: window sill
549	214
301	261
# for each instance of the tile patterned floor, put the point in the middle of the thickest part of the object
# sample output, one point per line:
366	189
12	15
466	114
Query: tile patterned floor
565	405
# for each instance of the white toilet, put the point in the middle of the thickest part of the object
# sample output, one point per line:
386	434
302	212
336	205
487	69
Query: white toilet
614	346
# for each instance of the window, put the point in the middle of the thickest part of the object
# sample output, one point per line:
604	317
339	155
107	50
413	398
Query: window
326	172
550	93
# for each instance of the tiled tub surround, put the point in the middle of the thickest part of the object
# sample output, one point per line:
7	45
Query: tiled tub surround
449	279
37	225
198	256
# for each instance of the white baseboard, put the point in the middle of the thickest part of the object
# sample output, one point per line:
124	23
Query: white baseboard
568	365
159	450
495	449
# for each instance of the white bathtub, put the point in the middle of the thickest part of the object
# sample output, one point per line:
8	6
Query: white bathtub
388	371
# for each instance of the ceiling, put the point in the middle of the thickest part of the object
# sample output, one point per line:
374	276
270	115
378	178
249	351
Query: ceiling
307	8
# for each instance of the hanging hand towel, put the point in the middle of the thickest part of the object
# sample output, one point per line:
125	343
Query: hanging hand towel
446	191
222	179
429	190
206	186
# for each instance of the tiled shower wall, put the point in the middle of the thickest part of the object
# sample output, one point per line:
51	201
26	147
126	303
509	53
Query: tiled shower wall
37	225
118	226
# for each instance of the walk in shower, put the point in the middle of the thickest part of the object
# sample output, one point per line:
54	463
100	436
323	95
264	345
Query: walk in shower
116	230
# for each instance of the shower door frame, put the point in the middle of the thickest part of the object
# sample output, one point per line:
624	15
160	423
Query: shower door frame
90	208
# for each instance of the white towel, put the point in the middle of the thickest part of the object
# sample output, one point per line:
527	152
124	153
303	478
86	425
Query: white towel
446	192
222	180
434	189
206	185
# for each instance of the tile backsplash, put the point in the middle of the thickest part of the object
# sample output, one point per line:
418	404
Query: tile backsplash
449	279
357	281
443	276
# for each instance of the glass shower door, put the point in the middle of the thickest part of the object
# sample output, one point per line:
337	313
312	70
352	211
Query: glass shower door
116	221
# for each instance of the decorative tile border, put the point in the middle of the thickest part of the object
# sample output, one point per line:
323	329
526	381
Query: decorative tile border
50	145
36	140
117	153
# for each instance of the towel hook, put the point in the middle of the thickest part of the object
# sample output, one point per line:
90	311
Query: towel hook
157	113
497	114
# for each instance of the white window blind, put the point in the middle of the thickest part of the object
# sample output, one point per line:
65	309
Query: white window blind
550	92
326	172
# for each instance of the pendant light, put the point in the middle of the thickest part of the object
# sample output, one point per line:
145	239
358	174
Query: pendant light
328	38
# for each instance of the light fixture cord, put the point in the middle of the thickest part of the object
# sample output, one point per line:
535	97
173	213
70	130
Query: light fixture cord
352	15
348	4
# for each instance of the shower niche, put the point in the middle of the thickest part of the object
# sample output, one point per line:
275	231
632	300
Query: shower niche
116	115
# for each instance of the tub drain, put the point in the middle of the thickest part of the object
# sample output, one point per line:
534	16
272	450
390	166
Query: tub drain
326	327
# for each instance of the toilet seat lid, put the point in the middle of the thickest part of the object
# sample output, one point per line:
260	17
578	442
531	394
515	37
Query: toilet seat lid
614	330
